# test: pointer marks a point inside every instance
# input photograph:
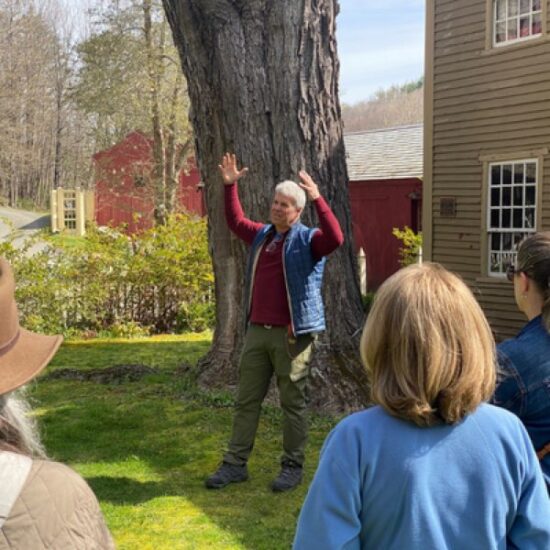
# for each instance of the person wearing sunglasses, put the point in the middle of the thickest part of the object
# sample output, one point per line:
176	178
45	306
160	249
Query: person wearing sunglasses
524	361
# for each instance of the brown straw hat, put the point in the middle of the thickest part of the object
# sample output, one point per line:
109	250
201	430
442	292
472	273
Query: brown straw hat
23	354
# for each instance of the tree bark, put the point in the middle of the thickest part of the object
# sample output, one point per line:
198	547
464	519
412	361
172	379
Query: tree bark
158	173
263	83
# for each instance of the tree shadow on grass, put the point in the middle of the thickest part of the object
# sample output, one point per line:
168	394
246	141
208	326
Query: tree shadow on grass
125	490
177	442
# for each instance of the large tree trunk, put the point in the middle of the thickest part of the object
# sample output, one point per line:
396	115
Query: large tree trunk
263	83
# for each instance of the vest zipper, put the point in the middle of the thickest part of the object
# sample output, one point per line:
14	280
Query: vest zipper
287	291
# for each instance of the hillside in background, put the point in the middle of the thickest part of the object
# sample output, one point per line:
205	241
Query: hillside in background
398	105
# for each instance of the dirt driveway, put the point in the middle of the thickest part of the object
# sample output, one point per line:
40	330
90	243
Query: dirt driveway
21	224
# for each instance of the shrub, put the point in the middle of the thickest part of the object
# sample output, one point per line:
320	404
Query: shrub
109	281
412	245
196	316
130	329
366	301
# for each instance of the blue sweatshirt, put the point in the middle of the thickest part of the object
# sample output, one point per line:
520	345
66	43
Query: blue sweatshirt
384	483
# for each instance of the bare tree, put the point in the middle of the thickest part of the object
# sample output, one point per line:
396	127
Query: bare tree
38	122
130	79
263	82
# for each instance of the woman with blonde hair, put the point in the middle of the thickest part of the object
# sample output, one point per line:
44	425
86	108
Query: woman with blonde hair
43	504
524	361
431	465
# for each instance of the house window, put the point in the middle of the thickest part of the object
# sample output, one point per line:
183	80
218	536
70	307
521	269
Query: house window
512	210
516	20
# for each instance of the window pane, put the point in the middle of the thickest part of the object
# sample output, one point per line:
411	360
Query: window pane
495	219
530	195
500	35
494	263
506	241
495	196
530	218
531	172
518	196
536	27
524	6
512	8
500	10
518	218
536	5
506	196
495	241
518	173
506	218
495	175
524	26
506	174
512	29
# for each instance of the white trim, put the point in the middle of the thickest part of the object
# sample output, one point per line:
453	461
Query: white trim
505	252
531	13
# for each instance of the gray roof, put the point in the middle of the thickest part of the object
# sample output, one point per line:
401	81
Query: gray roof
387	153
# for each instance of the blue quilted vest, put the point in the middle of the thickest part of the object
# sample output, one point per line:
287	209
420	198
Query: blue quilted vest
303	277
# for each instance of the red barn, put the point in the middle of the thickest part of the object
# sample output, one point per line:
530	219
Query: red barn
121	193
385	173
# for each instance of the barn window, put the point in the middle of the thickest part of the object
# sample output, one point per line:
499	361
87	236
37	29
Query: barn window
512	210
516	20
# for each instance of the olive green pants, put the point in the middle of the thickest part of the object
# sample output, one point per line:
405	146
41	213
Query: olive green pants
267	351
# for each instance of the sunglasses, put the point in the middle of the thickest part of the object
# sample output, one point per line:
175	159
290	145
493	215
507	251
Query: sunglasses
510	272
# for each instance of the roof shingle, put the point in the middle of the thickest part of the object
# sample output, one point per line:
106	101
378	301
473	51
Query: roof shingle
387	153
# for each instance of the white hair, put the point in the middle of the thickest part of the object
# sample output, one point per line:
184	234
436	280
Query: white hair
18	428
293	191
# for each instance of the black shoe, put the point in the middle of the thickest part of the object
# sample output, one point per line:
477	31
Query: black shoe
226	474
291	475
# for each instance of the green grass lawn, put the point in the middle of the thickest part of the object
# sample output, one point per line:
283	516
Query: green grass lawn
146	446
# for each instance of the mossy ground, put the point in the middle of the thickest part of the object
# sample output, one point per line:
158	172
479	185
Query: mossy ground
146	446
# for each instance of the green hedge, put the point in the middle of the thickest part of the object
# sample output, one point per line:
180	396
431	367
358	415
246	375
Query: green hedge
157	281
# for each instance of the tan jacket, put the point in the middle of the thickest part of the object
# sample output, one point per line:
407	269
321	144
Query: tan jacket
56	510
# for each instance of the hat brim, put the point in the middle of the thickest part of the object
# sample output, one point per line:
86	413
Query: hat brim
31	353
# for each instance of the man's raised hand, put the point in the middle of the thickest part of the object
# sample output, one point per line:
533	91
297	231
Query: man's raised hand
309	186
228	169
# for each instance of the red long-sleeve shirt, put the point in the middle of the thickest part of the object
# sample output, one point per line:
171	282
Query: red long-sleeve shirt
269	296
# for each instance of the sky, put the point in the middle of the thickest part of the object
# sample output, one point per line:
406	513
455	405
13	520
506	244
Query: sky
380	43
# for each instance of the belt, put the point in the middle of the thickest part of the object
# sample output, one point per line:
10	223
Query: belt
268	327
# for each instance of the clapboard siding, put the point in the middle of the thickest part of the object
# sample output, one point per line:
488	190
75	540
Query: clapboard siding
491	95
449	73
513	83
462	56
510	133
484	102
492	122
